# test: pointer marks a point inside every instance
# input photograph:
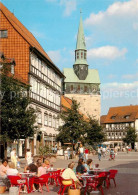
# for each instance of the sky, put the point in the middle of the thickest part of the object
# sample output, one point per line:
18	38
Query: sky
111	34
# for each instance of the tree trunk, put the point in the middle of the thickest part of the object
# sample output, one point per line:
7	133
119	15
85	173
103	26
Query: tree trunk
5	150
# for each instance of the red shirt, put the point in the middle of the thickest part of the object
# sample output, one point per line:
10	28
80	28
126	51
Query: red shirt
86	151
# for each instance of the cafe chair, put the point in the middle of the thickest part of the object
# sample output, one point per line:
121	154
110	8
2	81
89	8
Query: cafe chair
95	183
54	177
42	180
64	183
112	176
17	181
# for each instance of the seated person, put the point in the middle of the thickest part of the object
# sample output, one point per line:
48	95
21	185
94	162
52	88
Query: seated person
32	168
3	173
12	170
41	169
80	167
3	168
70	175
46	163
88	165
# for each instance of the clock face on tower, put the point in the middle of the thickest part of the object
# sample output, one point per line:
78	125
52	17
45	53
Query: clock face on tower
81	71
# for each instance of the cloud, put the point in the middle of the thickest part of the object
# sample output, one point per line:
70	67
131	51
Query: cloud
106	52
120	86
120	90
118	22
130	76
70	6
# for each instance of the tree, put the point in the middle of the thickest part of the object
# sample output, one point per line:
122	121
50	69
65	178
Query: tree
74	126
17	118
95	134
131	136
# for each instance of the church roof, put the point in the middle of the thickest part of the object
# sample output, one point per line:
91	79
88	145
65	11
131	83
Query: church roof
71	77
80	38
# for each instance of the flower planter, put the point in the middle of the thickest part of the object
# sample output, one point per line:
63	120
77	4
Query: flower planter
2	189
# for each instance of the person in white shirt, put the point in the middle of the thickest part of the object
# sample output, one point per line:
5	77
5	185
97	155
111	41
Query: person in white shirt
28	157
12	170
13	156
81	152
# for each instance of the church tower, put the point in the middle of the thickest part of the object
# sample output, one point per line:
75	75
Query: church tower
82	83
80	66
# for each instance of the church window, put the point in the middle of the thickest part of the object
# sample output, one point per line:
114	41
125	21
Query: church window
78	87
77	55
84	55
81	54
85	88
71	88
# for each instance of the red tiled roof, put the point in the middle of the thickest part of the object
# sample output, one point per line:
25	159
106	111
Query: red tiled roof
122	114
102	119
23	31
10	61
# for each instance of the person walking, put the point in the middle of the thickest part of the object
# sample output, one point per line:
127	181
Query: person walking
28	157
86	154
13	157
99	153
81	152
103	151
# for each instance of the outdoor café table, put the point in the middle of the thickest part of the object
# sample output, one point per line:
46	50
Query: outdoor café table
28	176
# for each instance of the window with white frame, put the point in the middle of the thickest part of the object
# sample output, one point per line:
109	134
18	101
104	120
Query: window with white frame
50	120
39	117
57	123
54	122
46	119
12	68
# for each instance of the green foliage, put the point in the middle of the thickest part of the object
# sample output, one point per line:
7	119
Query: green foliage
74	125
131	136
94	131
17	118
44	150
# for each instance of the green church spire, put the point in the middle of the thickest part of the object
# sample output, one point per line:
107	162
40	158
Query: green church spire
80	38
80	66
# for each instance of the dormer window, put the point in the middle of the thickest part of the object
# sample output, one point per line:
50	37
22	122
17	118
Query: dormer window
3	33
113	117
12	69
127	116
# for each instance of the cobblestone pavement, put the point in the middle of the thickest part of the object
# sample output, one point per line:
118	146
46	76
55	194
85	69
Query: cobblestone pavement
126	179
